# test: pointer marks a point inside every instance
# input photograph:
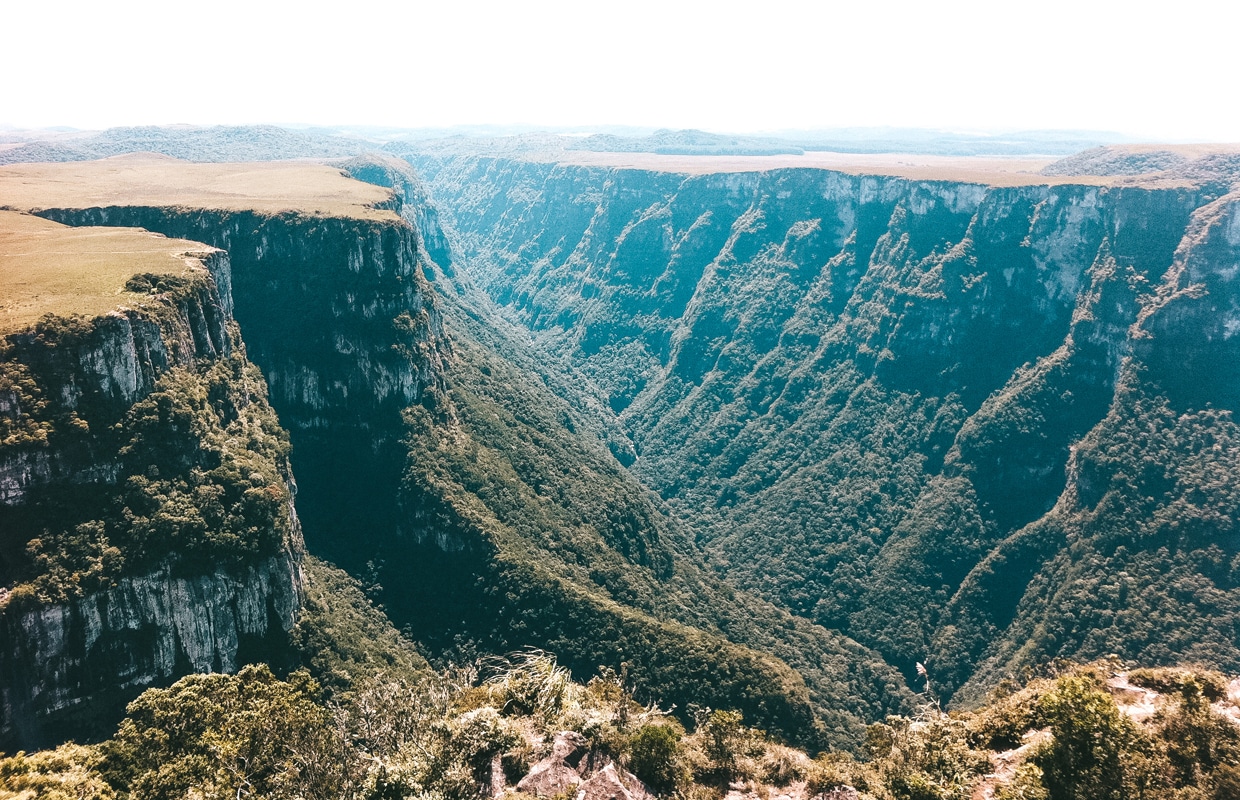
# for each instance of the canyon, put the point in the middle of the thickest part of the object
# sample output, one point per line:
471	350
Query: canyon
772	438
893	405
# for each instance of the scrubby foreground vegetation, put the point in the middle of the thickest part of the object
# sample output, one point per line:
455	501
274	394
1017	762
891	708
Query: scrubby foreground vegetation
371	720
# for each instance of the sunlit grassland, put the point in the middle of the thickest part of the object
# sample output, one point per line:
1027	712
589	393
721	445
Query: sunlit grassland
147	179
48	268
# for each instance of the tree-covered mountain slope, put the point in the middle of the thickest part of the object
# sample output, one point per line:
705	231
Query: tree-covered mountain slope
520	527
875	401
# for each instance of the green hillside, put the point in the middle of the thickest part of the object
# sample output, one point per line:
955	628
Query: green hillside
872	400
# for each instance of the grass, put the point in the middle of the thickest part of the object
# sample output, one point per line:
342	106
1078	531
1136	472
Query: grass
48	268
147	179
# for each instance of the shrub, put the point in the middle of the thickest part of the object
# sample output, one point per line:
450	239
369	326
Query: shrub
532	684
781	766
1002	722
1225	783
1172	680
69	772
1084	756
1026	785
723	738
228	735
653	752
1197	738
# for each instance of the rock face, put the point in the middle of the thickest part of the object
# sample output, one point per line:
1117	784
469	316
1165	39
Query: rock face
571	766
87	618
906	410
100	371
612	784
347	331
69	669
556	774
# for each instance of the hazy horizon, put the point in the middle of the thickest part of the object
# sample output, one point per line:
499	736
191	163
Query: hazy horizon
954	66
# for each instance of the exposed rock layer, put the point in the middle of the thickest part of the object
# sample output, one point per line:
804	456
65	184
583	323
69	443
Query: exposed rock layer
68	670
337	314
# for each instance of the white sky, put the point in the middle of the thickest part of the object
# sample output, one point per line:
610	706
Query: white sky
1166	70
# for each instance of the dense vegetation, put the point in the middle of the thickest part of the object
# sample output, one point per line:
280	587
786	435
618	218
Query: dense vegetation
1149	521
530	533
476	732
933	417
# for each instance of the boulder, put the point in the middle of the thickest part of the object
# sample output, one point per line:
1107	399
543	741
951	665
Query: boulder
557	773
612	784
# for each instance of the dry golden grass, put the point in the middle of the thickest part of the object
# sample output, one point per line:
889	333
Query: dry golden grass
147	179
48	268
989	170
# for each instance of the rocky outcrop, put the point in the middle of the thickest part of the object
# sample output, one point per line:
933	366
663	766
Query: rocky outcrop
96	371
558	773
67	670
572	766
610	783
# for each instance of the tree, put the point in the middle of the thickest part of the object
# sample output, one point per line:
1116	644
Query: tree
236	736
1084	758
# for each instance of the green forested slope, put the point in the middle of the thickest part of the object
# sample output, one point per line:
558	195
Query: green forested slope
867	397
524	529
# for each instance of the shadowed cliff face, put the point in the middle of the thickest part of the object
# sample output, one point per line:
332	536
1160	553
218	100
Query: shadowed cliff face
71	668
868	396
146	520
338	316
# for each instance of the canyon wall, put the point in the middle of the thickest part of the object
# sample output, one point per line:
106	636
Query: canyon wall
346	329
871	396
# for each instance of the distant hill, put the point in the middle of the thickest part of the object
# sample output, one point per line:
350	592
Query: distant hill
269	143
219	144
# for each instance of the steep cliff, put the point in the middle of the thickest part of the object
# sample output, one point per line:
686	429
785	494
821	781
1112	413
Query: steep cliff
345	328
868	395
145	494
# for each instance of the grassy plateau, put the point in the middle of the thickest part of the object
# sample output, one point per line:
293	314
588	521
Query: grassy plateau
48	268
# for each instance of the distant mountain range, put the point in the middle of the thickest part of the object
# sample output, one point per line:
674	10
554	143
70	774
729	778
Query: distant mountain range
266	142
